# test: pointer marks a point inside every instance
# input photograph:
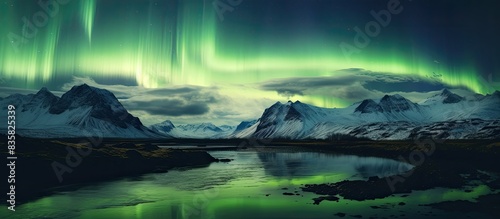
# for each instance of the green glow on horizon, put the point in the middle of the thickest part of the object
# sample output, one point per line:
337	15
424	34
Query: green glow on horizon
192	47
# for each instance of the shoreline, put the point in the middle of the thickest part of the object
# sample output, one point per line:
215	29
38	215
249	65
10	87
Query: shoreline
44	165
118	158
453	164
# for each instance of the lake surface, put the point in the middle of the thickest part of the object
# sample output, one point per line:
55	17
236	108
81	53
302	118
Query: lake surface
250	186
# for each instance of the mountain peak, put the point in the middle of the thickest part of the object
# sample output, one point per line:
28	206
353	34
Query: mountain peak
395	97
495	94
165	126
368	106
450	97
388	103
446	92
398	96
206	126
43	90
81	111
102	103
277	104
168	123
84	88
245	124
43	98
395	103
84	85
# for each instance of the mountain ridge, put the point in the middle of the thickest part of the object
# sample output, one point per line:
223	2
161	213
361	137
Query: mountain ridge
80	112
392	117
196	131
88	109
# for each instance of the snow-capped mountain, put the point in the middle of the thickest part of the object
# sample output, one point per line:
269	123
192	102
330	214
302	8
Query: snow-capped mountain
391	117
163	127
82	111
290	120
445	97
202	130
89	111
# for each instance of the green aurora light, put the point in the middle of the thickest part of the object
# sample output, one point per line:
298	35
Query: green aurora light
184	43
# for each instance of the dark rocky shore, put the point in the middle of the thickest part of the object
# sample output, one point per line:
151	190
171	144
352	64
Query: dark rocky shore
44	164
450	164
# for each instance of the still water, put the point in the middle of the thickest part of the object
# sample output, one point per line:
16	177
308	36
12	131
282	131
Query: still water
250	186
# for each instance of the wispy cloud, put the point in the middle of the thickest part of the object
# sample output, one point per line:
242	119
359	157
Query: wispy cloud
181	104
351	84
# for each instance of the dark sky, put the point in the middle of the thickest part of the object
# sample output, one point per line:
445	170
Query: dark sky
259	49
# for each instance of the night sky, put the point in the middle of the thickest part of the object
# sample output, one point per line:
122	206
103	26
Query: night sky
202	62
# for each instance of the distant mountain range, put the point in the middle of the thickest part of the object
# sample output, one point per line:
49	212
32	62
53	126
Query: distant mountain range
90	111
202	130
392	117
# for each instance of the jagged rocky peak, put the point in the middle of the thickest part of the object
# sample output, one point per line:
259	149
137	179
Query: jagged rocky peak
80	90
446	92
102	103
89	94
496	93
45	93
164	126
245	124
293	110
450	97
277	104
388	103
291	103
206	126
395	97
167	123
368	106
395	103
42	99
292	114
210	126
84	95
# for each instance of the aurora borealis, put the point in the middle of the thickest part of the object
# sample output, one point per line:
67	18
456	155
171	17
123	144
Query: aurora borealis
172	43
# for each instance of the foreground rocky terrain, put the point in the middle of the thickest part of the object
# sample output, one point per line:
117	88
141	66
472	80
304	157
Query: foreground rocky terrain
42	164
